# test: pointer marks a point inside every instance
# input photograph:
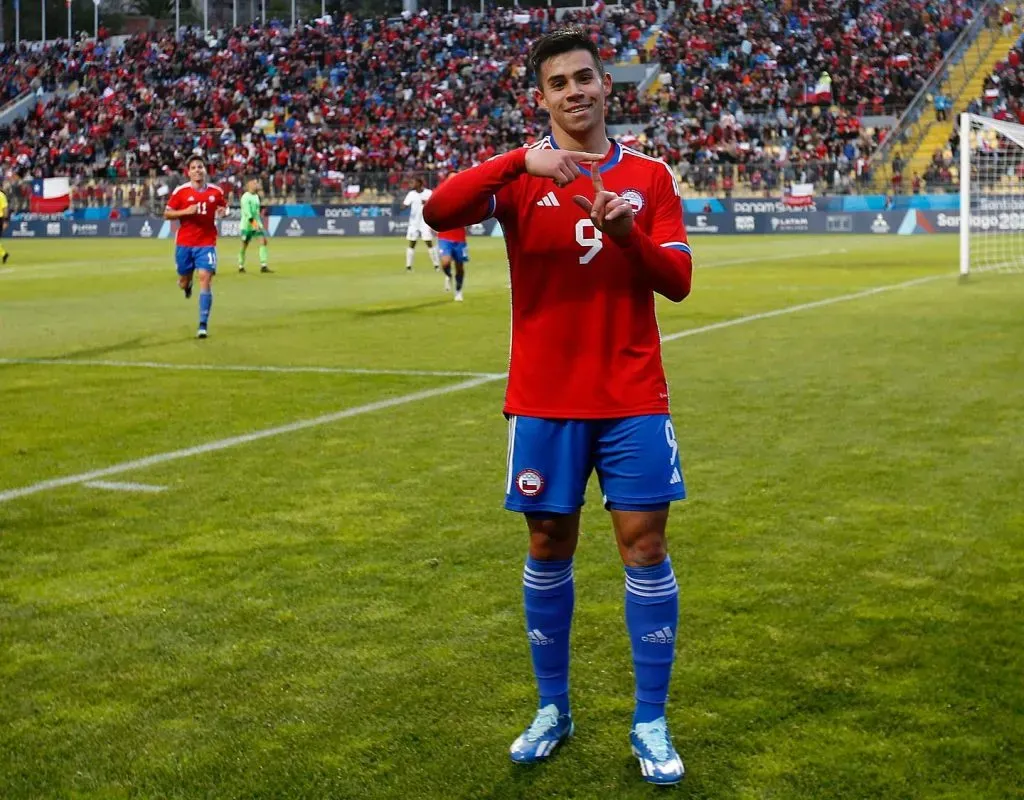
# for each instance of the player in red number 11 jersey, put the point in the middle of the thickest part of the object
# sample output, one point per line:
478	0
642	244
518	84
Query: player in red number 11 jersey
197	205
593	230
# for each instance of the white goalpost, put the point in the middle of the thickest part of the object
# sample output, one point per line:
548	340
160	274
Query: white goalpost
991	195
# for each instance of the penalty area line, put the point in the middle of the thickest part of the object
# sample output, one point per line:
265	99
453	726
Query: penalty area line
779	312
234	441
409	373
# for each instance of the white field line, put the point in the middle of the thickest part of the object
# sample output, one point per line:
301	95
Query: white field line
125	487
74	362
234	441
779	312
223	444
164	263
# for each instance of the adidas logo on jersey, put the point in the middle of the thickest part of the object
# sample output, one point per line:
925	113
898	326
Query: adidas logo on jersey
676	477
549	200
663	636
536	637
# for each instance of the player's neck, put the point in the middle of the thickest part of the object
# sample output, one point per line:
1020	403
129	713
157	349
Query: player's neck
593	141
198	186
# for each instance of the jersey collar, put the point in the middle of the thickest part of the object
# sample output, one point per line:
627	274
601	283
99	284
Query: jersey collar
614	155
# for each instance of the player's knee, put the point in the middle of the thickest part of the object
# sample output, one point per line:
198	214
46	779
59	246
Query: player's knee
641	537
554	537
646	550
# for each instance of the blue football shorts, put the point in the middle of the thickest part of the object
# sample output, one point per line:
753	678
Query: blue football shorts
550	461
187	259
457	251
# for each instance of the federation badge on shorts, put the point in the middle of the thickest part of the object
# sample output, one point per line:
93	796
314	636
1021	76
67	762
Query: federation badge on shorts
530	482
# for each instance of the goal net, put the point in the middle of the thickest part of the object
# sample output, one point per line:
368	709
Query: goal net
991	195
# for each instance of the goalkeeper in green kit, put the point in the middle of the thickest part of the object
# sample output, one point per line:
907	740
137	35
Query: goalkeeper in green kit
251	225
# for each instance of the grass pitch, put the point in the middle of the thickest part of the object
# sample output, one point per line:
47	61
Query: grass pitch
305	585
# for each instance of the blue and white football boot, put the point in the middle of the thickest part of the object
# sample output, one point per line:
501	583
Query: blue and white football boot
548	730
659	761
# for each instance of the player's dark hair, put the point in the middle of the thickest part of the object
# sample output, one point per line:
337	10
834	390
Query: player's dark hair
562	41
200	159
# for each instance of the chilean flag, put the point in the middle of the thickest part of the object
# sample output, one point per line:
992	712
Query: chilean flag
799	195
50	195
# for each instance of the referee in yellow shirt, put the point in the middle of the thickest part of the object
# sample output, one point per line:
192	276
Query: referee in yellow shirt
3	222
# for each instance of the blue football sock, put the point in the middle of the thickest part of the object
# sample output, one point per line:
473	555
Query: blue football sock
549	596
205	304
652	617
460	276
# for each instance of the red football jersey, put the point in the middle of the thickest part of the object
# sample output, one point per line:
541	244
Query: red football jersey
200	229
585	339
454	235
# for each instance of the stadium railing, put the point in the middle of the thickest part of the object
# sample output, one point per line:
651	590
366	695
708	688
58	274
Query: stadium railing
957	67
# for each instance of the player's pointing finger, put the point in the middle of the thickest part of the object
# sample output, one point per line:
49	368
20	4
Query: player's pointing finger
579	156
595	173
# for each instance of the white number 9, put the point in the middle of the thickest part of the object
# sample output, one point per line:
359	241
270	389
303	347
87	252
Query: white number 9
670	437
593	241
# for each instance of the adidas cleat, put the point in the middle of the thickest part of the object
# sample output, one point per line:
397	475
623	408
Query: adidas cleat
265	268
201	333
458	297
241	270
652	746
6	256
548	730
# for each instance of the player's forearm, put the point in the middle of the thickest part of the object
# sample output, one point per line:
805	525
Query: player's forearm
465	198
172	214
669	270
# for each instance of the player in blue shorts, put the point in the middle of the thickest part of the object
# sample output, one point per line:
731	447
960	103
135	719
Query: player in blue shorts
593	232
197	205
453	249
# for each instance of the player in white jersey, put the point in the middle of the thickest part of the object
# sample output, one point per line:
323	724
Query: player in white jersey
418	229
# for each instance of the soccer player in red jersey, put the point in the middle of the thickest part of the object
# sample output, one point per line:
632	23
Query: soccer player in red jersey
593	230
197	205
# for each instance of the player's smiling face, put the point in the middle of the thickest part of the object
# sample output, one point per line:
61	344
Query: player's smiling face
573	92
197	173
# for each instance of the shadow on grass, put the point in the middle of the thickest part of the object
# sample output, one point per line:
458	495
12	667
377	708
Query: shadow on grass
400	308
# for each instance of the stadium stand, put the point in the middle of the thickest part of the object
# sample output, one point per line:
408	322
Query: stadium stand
749	94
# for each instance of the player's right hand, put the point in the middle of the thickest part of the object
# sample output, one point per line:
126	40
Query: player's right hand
562	166
192	209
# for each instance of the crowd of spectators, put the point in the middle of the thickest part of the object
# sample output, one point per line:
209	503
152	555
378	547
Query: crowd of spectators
759	92
1002	98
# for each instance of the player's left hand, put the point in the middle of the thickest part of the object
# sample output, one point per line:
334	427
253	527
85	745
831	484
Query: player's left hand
611	214
220	212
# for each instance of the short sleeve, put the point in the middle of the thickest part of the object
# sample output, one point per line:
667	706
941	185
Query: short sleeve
668	228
